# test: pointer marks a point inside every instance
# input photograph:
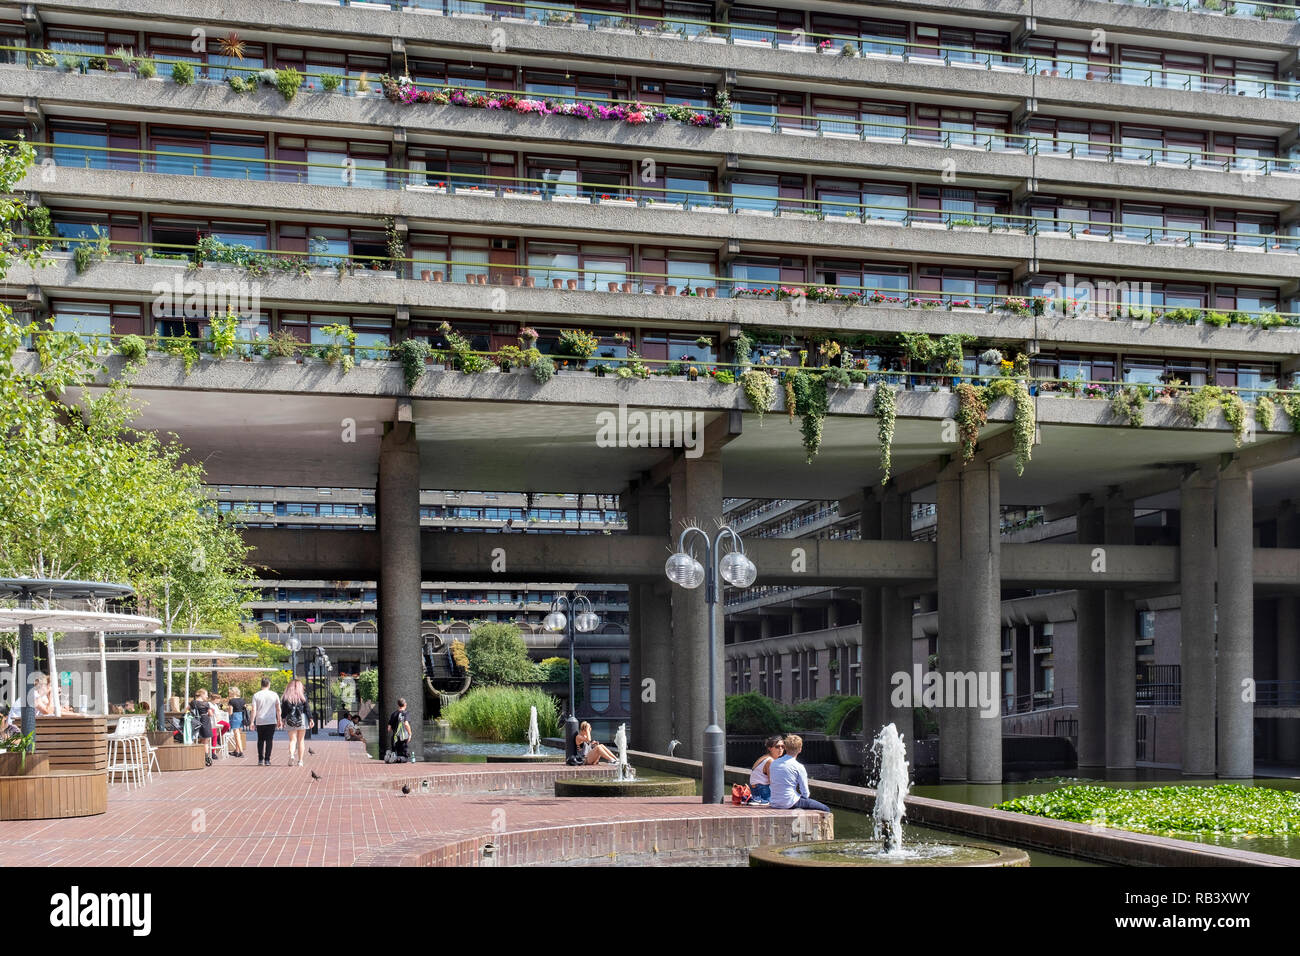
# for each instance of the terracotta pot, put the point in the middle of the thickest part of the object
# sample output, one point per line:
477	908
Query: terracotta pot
628	286
482	278
139	258
710	293
517	281
670	290
573	284
471	279
530	282
557	283
424	274
437	276
612	286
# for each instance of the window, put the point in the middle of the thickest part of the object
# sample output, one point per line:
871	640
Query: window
598	673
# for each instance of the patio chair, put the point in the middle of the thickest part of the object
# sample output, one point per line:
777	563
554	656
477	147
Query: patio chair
125	751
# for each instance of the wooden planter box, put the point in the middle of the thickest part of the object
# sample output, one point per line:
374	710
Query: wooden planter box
74	742
54	796
12	765
159	738
174	757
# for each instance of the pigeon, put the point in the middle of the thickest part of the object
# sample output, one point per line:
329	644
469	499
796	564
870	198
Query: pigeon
315	775
406	789
310	751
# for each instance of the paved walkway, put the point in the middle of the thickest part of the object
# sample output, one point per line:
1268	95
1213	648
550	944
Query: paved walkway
236	813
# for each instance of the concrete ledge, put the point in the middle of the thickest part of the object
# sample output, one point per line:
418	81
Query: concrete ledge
1100	845
539	778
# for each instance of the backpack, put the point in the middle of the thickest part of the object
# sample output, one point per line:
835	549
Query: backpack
740	794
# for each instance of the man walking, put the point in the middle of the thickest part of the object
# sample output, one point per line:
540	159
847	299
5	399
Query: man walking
266	718
790	780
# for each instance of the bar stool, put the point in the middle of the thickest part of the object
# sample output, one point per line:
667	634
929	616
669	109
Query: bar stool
124	751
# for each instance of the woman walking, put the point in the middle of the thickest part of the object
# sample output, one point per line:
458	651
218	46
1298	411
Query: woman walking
238	708
296	712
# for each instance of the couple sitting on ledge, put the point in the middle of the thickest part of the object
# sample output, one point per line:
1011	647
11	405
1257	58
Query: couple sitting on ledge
588	750
778	779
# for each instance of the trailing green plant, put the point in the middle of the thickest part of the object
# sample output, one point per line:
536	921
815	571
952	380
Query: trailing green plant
1234	410
223	333
1127	404
723	377
288	81
744	346
543	369
182	346
467	360
812	403
132	348
38	222
91	250
1265	413
1200	402
972	415
338	351
394	245
502	713
412	353
887	415
1205	399
1025	426
183	73
760	391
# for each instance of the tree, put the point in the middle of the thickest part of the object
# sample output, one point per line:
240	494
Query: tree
498	655
368	685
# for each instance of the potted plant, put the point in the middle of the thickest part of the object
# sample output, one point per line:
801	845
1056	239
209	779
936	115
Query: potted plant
339	349
528	337
282	348
16	755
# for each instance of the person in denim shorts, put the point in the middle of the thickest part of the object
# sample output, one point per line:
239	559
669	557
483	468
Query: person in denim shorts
760	779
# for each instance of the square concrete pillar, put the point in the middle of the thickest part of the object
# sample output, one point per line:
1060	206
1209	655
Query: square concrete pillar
1236	658
952	650
875	681
981	614
1197	571
1121	651
397	518
650	632
1288	634
1090	642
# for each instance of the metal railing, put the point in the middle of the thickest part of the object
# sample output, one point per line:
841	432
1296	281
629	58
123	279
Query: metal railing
1159	685
1277	693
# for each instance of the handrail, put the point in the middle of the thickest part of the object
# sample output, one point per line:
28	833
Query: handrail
261	261
1097	388
734	202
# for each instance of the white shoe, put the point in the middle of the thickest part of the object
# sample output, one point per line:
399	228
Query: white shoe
299	763
291	760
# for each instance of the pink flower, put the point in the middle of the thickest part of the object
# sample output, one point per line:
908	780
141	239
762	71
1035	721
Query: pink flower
636	117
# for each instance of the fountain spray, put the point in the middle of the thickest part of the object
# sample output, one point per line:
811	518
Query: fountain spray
891	790
625	772
534	738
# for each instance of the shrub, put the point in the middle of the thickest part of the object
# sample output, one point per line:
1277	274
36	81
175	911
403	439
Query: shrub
132	348
543	368
498	655
557	669
183	73
146	69
501	713
330	82
815	715
368	685
842	715
288	81
753	713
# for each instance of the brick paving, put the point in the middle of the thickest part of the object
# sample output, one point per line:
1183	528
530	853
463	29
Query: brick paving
236	813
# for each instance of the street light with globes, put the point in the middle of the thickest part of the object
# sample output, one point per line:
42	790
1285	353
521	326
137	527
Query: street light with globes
585	620
737	570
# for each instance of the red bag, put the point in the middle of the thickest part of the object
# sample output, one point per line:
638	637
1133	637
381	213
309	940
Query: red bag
740	794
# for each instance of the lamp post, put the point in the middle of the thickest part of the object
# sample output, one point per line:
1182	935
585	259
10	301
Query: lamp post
586	621
738	571
294	646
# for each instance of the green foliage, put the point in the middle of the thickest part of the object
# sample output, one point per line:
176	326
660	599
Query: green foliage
19	744
182	73
543	369
146	69
330	82
1025	427
753	713
92	250
744	348
577	343
845	718
412	353
1227	808
498	655
339	349
182	346
38	221
1291	405
972	415
811	402
1234	410
1200	403
466	359
1216	319
815	715
501	713
223	333
760	391
887	413
1265	413
133	349
723	377
1127	404
288	81
556	669
368	685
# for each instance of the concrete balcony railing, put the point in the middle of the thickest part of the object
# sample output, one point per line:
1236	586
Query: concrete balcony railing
807	141
420	298
1007	75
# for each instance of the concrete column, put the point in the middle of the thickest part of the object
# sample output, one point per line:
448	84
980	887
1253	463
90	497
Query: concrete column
652	624
1196	560
875	683
1121	655
951	643
696	496
397	509
1288	634
1236	660
895	618
1090	616
981	611
796	620
832	615
631	506
765	626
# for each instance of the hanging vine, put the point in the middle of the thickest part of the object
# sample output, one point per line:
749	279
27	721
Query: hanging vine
790	402
972	415
812	403
887	412
1026	425
1291	405
1265	413
1128	404
760	391
1234	410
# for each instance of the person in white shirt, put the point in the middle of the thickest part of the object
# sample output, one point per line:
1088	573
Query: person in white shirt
790	780
760	780
266	718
